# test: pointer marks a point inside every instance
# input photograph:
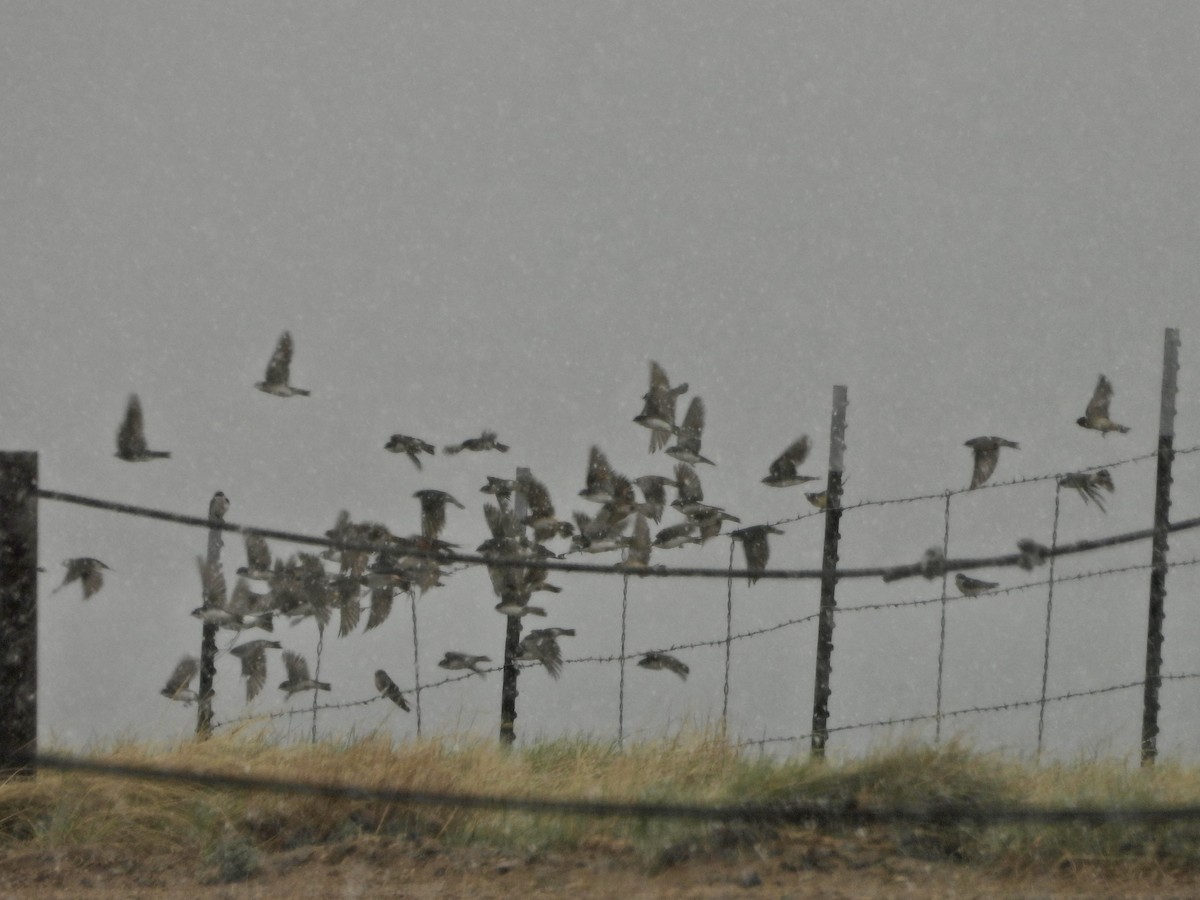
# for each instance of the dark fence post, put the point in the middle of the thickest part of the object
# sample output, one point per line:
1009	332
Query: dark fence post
829	560
512	638
208	634
18	613
1158	551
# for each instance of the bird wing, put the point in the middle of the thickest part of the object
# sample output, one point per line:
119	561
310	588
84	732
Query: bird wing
693	424
599	473
536	496
254	667
381	607
1097	407
258	554
985	464
212	583
688	483
659	383
297	666
131	439
281	360
184	672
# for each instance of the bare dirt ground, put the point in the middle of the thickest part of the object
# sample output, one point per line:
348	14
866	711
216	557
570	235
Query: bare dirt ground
372	867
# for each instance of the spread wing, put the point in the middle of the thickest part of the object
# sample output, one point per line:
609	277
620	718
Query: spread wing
297	666
258	555
985	464
1097	407
693	424
131	439
281	360
184	672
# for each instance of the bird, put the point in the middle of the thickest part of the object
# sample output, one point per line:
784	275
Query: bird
658	413
637	545
599	484
820	499
755	546
1031	553
387	687
1088	485
258	559
454	660
131	436
218	506
541	646
598	533
275	382
179	684
541	516
689	492
402	443
253	655
687	438
654	494
1095	416
933	562
516	605
433	511
485	441
241	610
501	488
677	535
973	587
782	472
987	454
87	570
298	678
657	660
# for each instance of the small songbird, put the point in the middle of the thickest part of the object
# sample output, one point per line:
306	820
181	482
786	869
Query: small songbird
987	454
783	470
690	493
933	563
637	545
501	488
1096	415
541	516
298	678
485	441
433	511
541	646
241	610
131	436
754	543
819	499
1032	553
599	485
179	684
677	535
258	559
218	506
253	655
454	660
687	440
1088	485
654	494
389	689
275	381
87	570
973	587
656	660
517	605
658	413
402	443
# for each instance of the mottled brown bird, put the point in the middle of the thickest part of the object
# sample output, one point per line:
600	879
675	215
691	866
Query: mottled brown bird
1095	416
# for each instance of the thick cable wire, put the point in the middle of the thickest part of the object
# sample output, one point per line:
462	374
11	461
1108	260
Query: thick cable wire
1049	613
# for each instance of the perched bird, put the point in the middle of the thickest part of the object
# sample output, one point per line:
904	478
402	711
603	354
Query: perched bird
298	678
454	660
542	646
1095	416
1088	485
402	443
485	441
179	684
218	506
820	499
276	379
541	516
131	436
973	587
433	511
258	559
87	570
687	438
754	543
987	454
658	413
599	485
658	661
253	655
1032	553
387	687
782	472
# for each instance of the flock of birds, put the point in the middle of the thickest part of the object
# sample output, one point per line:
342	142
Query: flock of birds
522	521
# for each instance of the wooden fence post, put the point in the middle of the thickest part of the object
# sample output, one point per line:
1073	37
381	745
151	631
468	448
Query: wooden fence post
18	613
208	636
512	639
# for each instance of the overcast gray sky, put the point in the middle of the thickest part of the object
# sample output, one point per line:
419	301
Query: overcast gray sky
474	215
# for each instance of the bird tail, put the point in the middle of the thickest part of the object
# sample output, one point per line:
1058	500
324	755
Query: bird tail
158	454
301	392
535	610
323	685
452	448
503	448
266	621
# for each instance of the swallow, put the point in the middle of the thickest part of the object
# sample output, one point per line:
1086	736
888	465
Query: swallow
598	533
538	633
933	563
218	506
820	499
677	535
87	570
541	646
485	441
242	610
433	511
275	381
782	472
343	595
654	494
658	413
454	660
637	545
253	655
258	559
388	688
755	546
1032	554
1088	485
501	488
656	660
687	438
402	443
987	454
541	516
973	587
1095	416
689	492
599	484
131	437
300	589
298	678
179	684
516	605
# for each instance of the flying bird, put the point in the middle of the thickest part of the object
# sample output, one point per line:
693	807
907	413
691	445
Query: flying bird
242	610
433	511
275	381
541	645
501	488
388	688
687	438
656	660
298	678
599	484
131	437
87	570
757	550
987	454
258	559
783	471
973	587
179	684
1032	553
638	546
516	604
1088	485
485	441
1095	416
253	655
541	516
402	443
454	660
654	494
658	413
218	506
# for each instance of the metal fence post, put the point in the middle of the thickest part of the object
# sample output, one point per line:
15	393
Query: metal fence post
829	560
18	612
